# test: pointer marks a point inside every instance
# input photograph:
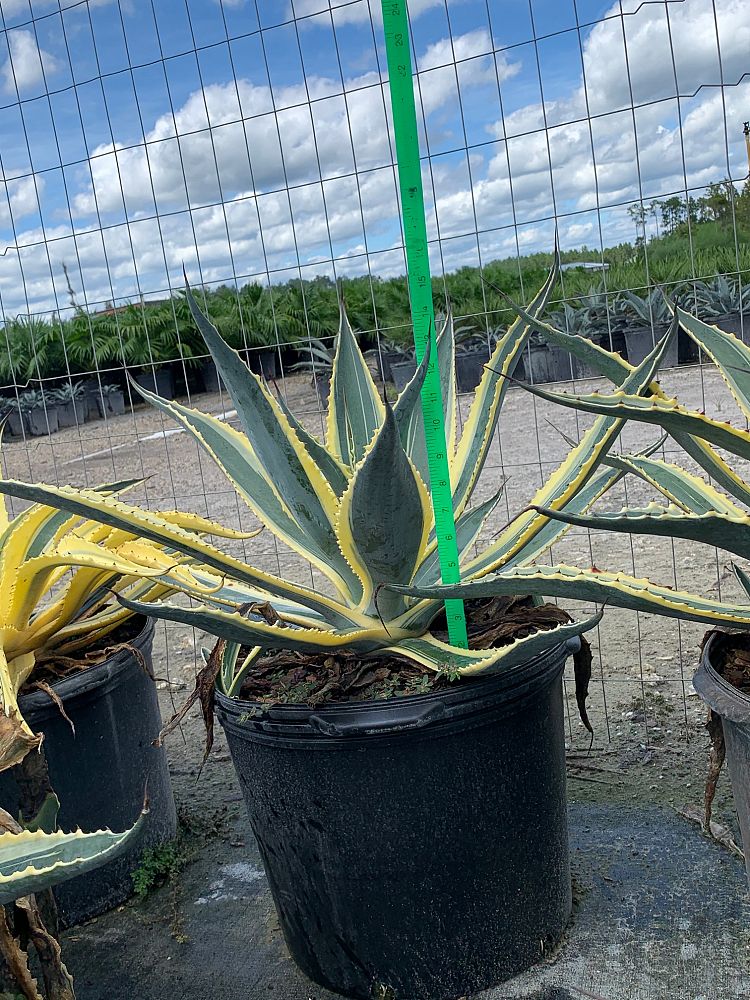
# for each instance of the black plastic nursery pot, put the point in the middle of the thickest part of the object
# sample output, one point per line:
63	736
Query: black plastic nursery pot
640	341
402	372
72	413
322	385
537	359
210	377
111	405
563	366
158	380
734	323
91	398
101	773
41	420
418	843
386	359
733	706
469	369
14	423
264	362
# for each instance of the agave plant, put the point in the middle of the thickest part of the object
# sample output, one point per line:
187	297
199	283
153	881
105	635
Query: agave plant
651	309
33	859
70	392
317	357
587	319
57	581
34	399
357	508
720	297
696	510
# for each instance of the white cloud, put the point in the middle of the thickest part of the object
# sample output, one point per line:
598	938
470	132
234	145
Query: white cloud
664	41
10	8
27	64
469	54
21	197
227	138
345	12
222	164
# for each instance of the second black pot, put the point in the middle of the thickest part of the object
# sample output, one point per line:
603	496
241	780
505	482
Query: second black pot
41	420
402	372
264	361
158	380
734	323
469	369
733	706
418	843
72	413
641	340
100	774
322	385
210	377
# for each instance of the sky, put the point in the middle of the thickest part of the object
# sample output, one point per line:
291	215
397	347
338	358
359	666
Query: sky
251	139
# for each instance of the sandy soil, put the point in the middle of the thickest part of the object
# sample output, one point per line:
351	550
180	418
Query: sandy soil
649	740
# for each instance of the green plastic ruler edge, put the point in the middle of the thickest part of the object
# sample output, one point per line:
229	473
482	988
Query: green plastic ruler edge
396	27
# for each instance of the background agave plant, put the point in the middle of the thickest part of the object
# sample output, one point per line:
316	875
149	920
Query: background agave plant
33	859
695	510
357	508
57	580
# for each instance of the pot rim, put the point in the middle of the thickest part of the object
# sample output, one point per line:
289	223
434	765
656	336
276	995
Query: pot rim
506	688
721	696
110	671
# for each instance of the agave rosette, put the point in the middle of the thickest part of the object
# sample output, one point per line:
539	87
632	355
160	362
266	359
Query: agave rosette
58	579
357	508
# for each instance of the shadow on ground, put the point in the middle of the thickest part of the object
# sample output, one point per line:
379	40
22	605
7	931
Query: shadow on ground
661	913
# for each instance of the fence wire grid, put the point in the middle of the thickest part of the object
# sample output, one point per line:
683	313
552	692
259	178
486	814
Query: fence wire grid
249	142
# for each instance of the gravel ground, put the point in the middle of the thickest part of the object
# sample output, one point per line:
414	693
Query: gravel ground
649	741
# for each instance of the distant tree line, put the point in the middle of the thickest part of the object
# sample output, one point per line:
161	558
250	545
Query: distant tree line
722	203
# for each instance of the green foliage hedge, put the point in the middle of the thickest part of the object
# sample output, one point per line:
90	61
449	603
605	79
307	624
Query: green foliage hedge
143	333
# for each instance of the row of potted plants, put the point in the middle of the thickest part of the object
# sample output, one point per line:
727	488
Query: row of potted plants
157	336
626	322
464	870
37	412
631	324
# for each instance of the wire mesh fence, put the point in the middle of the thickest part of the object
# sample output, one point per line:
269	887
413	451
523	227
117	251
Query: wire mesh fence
248	145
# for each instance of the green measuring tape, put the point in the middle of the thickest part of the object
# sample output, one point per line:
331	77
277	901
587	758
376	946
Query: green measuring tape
396	25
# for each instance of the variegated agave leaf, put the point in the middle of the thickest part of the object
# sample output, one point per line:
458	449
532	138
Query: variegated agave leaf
31	861
697	510
731	356
57	578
